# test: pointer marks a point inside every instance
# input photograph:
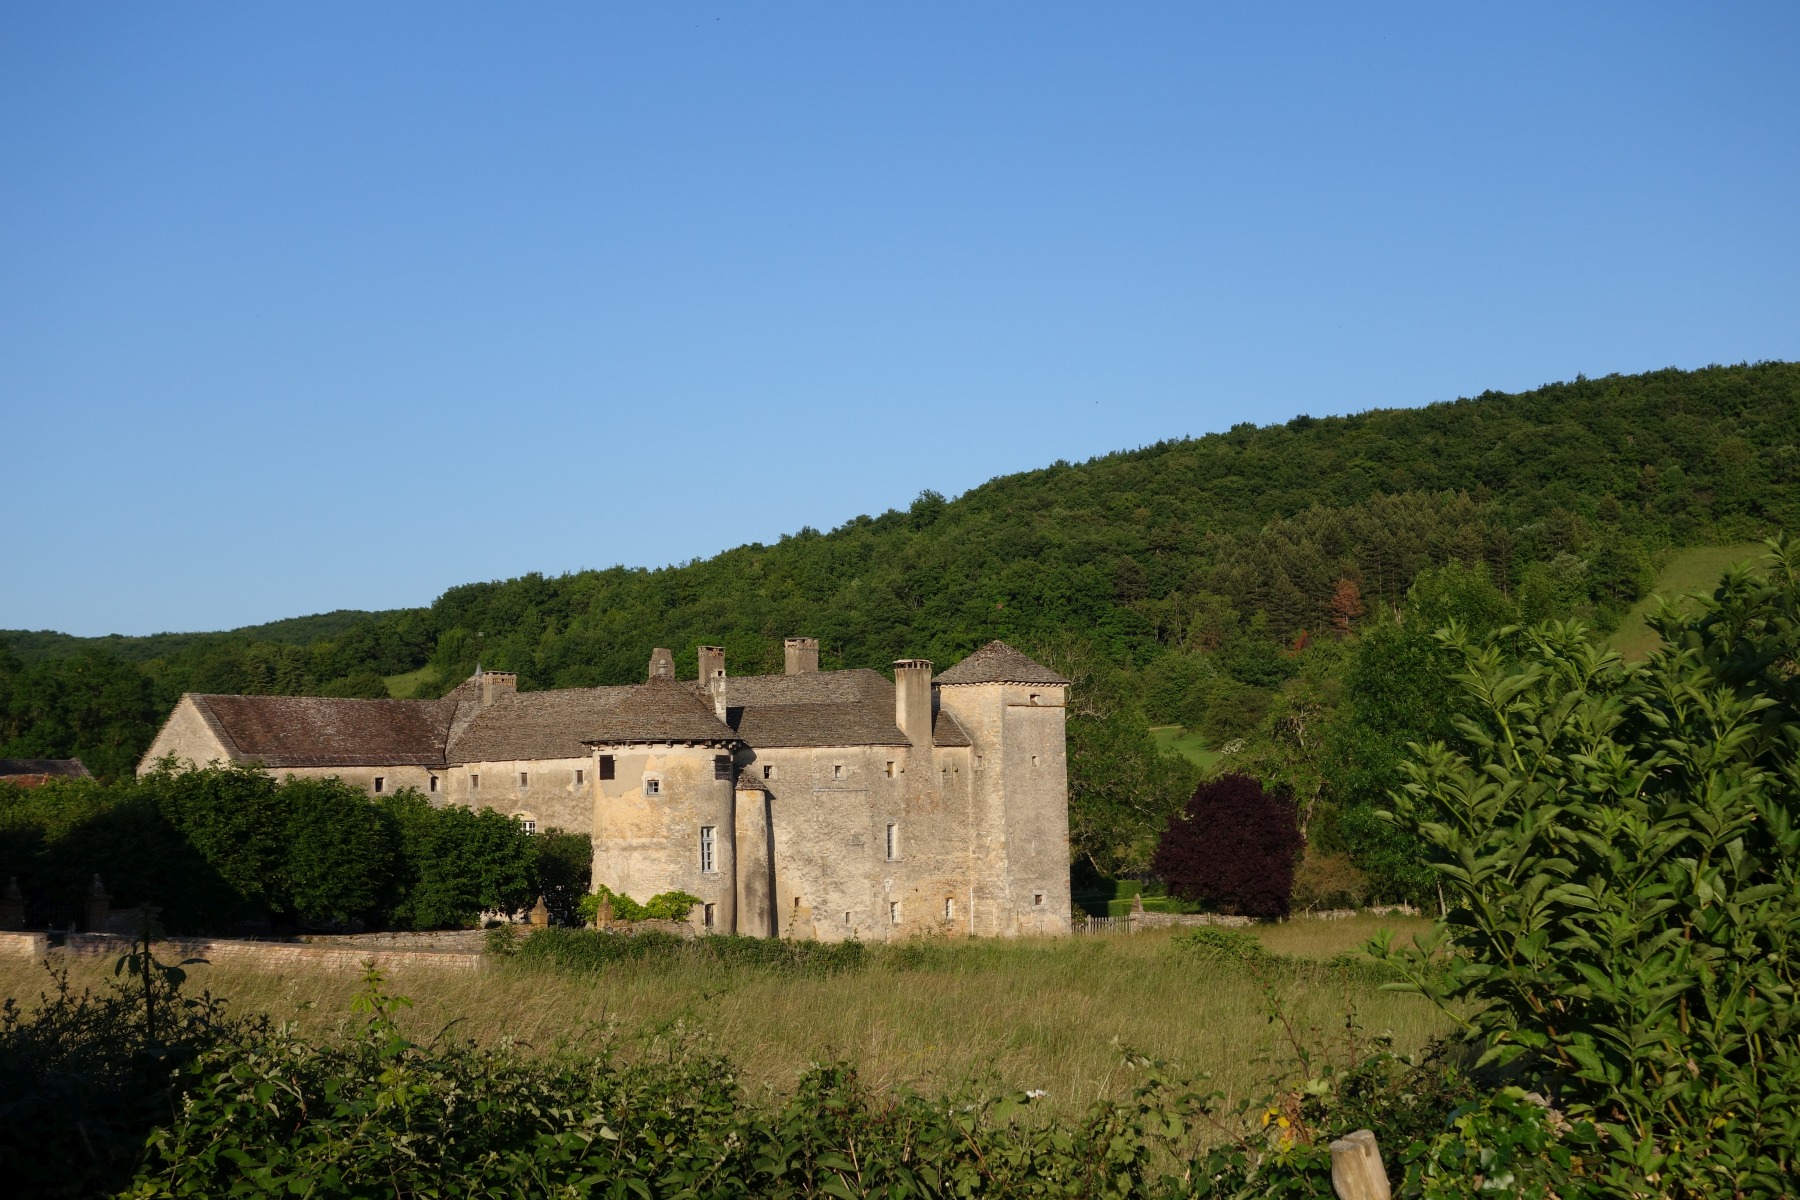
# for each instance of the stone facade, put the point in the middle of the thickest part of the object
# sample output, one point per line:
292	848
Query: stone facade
814	804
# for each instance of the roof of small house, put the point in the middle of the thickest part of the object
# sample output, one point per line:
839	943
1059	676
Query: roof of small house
328	731
72	768
998	662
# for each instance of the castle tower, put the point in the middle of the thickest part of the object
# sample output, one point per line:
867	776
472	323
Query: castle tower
1013	710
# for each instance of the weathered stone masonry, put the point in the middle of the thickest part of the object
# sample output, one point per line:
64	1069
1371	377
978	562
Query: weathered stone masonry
812	804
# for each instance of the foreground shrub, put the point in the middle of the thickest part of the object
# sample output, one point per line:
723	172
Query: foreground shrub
1233	846
1621	858
374	1113
85	1077
664	906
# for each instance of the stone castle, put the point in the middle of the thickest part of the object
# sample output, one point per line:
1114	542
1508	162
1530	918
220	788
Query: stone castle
811	804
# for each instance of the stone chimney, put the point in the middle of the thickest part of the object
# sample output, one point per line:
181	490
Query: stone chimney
712	674
662	664
495	684
802	656
912	699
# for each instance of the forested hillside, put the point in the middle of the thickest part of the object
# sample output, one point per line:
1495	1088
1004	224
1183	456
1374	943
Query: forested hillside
1224	583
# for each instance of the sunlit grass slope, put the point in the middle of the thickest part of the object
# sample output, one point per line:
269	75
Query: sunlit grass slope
1688	572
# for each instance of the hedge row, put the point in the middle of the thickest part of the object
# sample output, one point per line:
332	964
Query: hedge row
224	847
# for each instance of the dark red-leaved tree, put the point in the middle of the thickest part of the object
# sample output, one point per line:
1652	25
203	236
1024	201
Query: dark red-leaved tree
1234	846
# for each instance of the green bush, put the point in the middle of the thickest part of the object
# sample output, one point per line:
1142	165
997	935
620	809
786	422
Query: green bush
373	1113
664	906
1621	859
220	846
564	864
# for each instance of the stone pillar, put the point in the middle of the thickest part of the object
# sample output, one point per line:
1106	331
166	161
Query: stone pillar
12	906
802	655
540	915
97	906
754	841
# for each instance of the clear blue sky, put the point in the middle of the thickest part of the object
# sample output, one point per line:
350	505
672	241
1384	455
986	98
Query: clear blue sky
320	306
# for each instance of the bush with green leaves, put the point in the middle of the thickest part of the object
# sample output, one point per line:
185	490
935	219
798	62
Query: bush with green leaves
374	1112
1619	851
220	846
564	865
664	906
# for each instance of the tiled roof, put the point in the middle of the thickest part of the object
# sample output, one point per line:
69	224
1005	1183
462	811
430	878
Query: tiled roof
71	767
946	732
814	687
998	662
326	731
534	725
822	708
766	725
662	710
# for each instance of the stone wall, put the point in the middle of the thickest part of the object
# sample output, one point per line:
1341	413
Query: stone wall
550	796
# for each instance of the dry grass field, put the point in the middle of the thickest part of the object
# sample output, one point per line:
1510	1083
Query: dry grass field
1031	1014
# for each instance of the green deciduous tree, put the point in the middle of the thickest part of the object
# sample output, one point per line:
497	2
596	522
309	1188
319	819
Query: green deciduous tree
1621	856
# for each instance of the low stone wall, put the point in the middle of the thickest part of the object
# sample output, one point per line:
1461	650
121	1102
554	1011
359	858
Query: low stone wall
272	955
1158	920
23	945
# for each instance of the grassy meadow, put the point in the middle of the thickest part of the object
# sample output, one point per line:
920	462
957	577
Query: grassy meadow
1179	739
1050	1014
1687	573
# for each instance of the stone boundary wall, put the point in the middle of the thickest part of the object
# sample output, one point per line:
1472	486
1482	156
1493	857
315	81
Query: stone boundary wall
24	945
330	954
1139	919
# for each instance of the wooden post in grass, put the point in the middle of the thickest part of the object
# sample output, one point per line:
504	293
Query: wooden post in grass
1356	1172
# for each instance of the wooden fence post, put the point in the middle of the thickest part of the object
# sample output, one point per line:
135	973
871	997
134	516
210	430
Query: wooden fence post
1356	1172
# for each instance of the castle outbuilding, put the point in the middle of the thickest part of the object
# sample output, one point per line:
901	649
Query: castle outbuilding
811	804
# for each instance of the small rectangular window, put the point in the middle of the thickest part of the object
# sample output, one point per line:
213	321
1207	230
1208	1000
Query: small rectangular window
524	780
1037	899
707	865
769	771
528	823
837	770
1034	760
380	783
978	762
652	787
893	912
1034	697
712	915
721	766
474	783
606	766
578	779
433	784
890	770
893	841
949	909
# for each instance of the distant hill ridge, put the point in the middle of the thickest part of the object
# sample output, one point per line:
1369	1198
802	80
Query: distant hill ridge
1260	532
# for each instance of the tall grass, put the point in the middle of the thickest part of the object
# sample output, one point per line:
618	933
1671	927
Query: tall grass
1049	1014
